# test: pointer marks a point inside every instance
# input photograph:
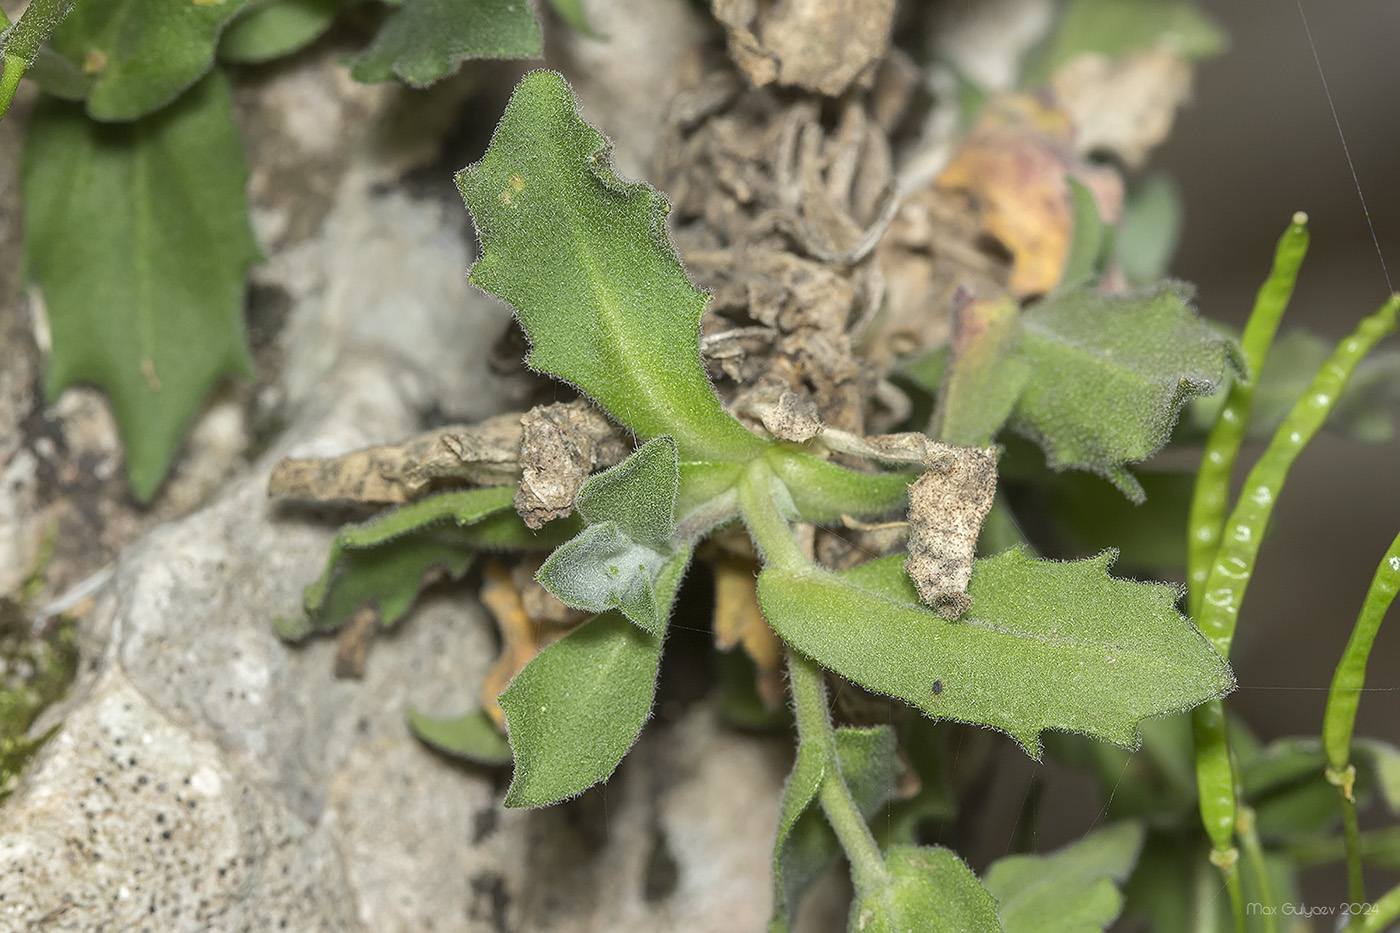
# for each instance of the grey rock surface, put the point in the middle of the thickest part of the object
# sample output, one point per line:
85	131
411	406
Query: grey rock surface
206	776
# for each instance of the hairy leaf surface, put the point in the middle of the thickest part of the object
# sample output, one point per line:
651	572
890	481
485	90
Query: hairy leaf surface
985	373
383	562
138	235
868	761
425	40
930	890
1071	890
584	259
1110	375
575	710
1045	645
142	53
614	562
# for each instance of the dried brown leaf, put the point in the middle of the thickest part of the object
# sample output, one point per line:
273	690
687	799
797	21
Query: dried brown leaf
738	621
486	454
946	508
820	45
510	595
1013	165
1124	105
561	446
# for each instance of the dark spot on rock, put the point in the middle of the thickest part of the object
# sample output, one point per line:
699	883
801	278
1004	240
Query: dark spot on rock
490	900
662	874
484	824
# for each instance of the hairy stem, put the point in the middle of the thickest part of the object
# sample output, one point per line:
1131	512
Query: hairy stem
22	41
814	725
767	526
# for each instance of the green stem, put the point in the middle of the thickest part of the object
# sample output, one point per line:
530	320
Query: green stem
1236	889
1378	915
868	869
1356	879
1208	502
1380	847
1344	696
22	41
1259	869
769	529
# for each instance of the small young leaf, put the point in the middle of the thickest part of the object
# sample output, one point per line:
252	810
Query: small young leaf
1071	890
576	709
603	569
615	561
143	53
1044	645
929	890
425	40
382	562
868	762
638	494
1110	375
272	30
1087	247
584	259
472	736
147	303
985	373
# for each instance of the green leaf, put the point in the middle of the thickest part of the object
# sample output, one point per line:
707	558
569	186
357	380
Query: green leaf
21	42
272	30
1365	410
1090	516
1090	242
142	53
1384	760
985	373
472	736
639	494
425	40
382	562
929	890
1045	645
1117	27
578	706
868	763
1110	375
1150	229
614	563
823	491
584	259
59	76
1071	890
571	12
138	236
793	870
